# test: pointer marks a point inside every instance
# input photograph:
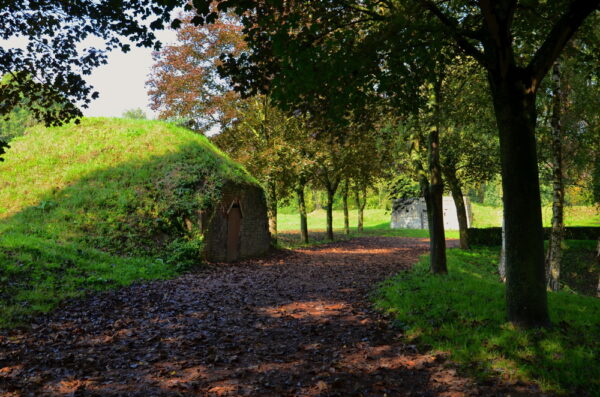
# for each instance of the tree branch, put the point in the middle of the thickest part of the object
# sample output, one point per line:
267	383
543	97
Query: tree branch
460	35
557	39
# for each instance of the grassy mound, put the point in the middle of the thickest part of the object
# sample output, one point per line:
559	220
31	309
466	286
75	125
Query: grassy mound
463	313
102	203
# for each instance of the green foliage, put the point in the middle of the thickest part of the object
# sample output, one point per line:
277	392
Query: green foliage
105	192
463	313
404	187
15	123
136	114
183	252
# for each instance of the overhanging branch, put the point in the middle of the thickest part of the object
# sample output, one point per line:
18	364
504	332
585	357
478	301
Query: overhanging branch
557	39
460	35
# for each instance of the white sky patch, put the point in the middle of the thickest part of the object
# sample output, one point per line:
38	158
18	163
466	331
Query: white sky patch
122	81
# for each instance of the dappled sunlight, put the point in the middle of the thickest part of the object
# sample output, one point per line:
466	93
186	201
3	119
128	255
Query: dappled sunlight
358	251
307	309
168	374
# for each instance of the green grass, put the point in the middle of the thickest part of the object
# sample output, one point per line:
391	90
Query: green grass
100	204
377	222
487	216
463	314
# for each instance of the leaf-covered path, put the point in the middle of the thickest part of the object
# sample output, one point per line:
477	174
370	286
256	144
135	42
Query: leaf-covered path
298	323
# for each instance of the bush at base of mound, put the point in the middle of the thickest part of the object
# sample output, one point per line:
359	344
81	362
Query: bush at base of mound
102	203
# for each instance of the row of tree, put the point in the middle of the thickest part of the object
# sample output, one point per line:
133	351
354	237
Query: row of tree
334	62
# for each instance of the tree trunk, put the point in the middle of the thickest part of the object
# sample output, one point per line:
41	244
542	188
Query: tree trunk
345	188
360	196
302	211
459	202
502	263
598	264
437	238
272	211
330	194
514	106
554	254
316	198
424	186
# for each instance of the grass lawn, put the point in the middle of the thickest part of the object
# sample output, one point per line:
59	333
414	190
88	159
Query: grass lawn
463	314
486	216
378	220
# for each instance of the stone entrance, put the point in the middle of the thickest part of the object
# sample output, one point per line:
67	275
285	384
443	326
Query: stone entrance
237	228
234	224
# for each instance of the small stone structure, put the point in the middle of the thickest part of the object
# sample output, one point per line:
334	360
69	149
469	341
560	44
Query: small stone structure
237	228
412	214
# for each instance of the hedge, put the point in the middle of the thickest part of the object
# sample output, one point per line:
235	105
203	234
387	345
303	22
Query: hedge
491	236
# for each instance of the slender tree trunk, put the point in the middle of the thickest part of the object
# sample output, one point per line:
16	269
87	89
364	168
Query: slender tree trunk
502	263
360	197
514	105
459	202
345	189
437	239
554	254
302	211
361	210
598	264
330	194
272	211
316	198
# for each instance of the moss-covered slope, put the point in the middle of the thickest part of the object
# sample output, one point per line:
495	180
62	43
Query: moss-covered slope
100	203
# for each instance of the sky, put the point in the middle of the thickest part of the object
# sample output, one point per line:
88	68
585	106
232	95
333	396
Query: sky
122	81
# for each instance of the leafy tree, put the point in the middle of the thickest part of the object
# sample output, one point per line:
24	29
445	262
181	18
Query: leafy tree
339	47
469	148
15	123
137	114
185	83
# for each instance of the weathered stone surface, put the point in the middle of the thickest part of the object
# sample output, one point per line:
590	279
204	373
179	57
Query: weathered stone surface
251	236
412	214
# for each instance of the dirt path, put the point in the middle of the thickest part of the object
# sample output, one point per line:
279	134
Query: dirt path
296	324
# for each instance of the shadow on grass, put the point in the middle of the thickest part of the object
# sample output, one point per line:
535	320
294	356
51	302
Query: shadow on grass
464	314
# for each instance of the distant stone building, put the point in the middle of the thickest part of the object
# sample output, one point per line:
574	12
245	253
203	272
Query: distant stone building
412	214
237	228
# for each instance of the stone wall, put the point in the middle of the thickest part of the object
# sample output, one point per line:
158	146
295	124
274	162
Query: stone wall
253	239
412	214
